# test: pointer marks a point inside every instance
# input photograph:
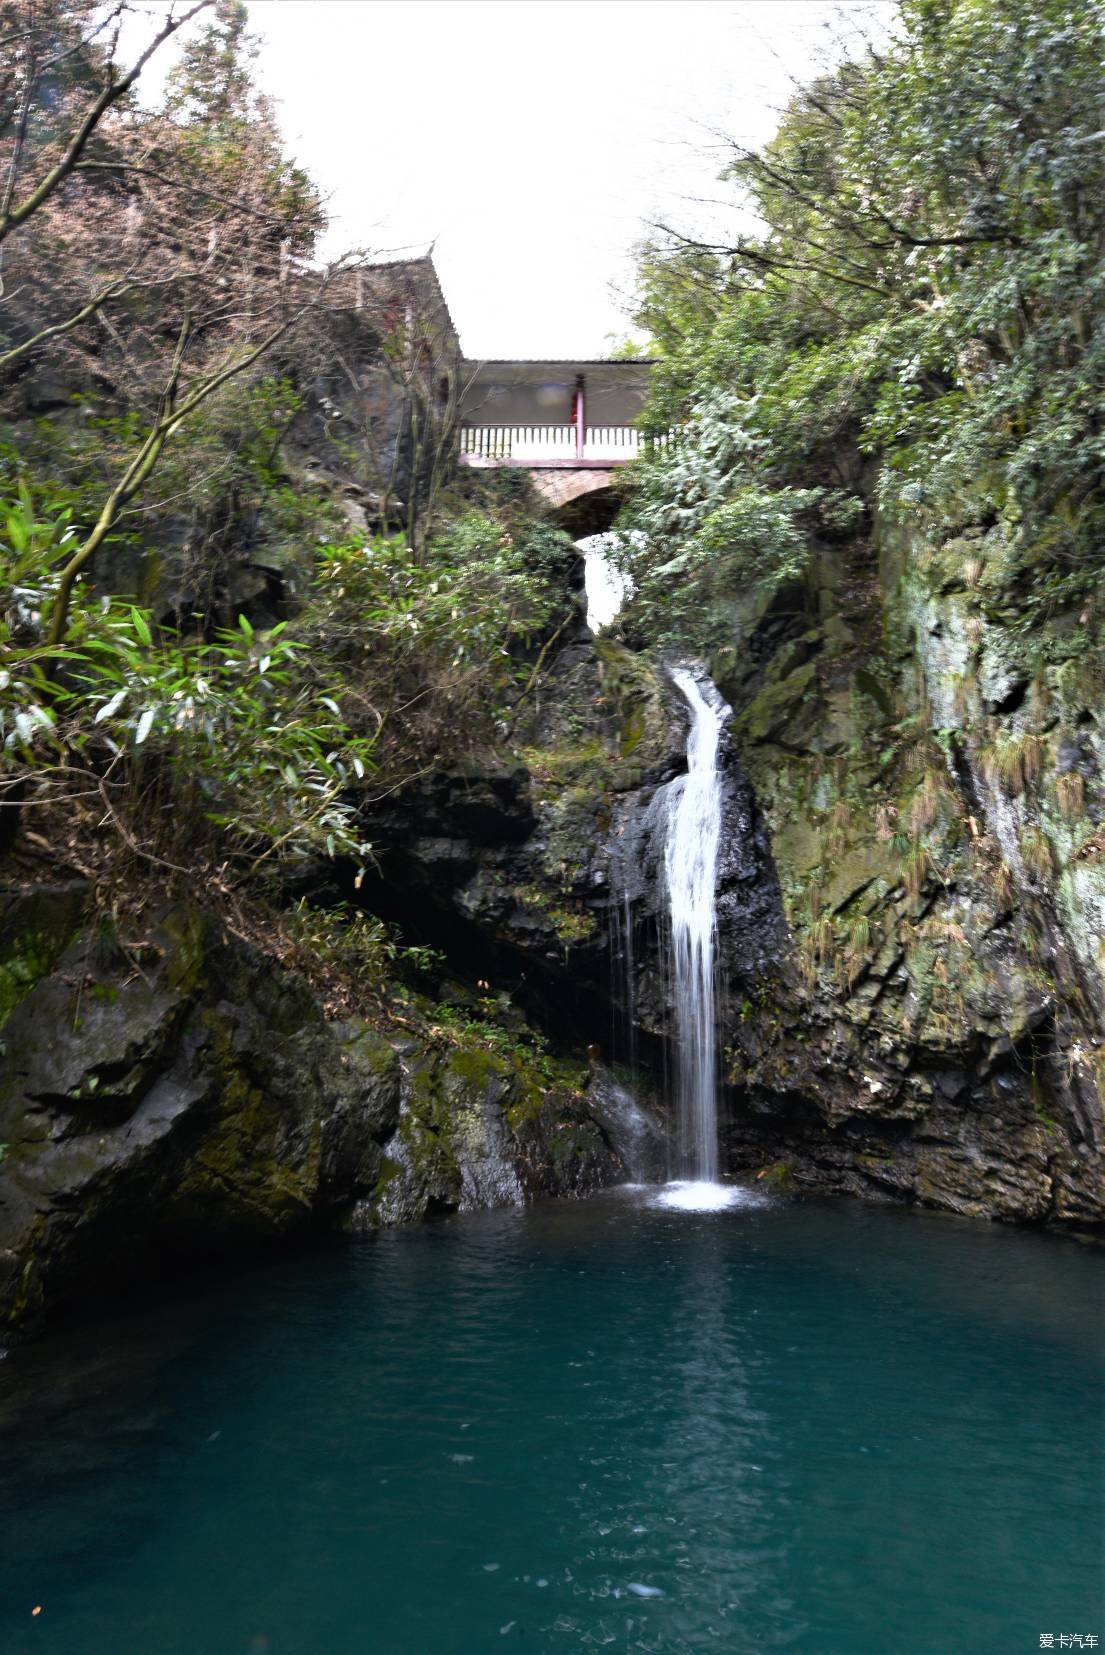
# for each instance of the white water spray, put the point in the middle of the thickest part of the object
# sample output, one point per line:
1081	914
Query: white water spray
690	868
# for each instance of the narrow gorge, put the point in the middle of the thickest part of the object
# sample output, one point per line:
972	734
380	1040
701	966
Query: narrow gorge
552	908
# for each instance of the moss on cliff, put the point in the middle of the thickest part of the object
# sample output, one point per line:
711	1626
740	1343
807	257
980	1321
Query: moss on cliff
36	927
941	880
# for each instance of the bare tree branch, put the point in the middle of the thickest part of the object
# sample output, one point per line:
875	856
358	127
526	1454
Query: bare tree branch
12	217
10	357
123	166
171	415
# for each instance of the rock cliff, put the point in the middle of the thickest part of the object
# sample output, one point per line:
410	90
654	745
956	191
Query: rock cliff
909	903
935	1033
175	1095
910	883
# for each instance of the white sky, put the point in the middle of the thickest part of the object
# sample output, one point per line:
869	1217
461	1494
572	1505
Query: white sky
531	139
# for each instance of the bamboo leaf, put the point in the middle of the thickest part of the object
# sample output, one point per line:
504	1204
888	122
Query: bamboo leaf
111	707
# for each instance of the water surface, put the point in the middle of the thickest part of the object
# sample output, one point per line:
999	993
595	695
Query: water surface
787	1426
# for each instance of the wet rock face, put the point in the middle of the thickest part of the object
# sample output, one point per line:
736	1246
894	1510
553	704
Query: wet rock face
473	1132
635	1123
529	871
180	1097
752	928
935	1032
993	1123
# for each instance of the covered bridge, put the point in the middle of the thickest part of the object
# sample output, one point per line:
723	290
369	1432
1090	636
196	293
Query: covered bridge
570	424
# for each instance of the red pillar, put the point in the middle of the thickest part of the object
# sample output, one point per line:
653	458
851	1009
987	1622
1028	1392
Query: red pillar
580	417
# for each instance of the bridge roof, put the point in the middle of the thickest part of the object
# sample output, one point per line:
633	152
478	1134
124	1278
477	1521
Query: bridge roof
512	391
627	375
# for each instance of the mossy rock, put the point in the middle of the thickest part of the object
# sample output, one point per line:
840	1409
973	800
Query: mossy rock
778	1176
37	924
783	713
204	1103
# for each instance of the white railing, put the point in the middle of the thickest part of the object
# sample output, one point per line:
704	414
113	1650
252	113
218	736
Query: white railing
540	444
491	443
613	442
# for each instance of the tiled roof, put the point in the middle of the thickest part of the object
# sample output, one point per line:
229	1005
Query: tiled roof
423	262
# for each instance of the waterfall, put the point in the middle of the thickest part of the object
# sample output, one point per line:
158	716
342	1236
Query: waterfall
629	973
692	833
623	1008
606	585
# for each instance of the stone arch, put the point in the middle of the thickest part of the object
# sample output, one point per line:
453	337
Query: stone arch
582	502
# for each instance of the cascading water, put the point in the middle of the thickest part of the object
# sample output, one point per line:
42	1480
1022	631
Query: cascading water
623	1011
692	835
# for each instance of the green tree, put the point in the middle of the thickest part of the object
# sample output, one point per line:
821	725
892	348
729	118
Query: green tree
167	239
924	296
